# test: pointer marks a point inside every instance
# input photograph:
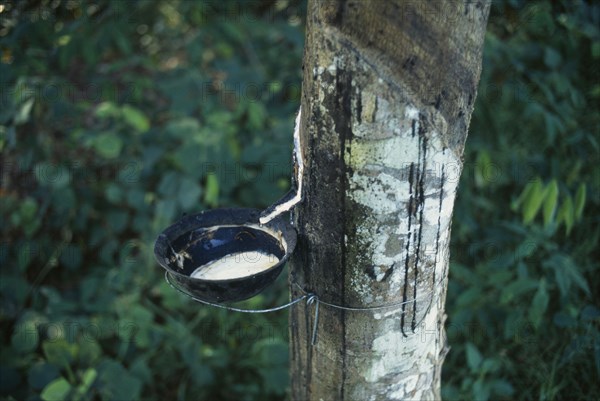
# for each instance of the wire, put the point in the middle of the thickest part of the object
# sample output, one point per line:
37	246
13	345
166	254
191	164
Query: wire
310	300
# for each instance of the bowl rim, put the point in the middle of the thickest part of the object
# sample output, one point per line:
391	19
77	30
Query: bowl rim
287	230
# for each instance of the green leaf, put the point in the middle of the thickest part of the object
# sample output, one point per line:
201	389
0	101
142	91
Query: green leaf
165	210
481	390
503	388
108	145
189	194
184	128
566	214
135	118
140	369
22	115
57	390
58	352
469	297
501	277
474	357
531	205
483	169
28	208
490	365
580	201
578	279
256	115
539	304
88	378
550	202
516	288
169	184
566	271
524	195
89	352
525	249
122	41
211	194
107	109
136	198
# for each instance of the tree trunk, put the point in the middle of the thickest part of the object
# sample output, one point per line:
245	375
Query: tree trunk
388	92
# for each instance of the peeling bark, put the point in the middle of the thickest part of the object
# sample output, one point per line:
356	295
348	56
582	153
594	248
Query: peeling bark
388	92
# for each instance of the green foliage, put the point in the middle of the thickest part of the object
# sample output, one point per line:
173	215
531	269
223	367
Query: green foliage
56	390
524	262
117	117
537	198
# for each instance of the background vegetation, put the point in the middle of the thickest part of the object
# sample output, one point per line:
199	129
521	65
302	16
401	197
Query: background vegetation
118	116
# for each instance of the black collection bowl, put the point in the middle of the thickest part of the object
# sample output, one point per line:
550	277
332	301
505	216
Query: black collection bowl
199	239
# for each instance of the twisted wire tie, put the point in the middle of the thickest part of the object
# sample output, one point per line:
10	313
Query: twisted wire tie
311	299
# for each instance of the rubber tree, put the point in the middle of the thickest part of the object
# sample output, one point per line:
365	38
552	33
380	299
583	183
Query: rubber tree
388	91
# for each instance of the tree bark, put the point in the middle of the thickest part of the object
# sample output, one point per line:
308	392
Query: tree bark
388	92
